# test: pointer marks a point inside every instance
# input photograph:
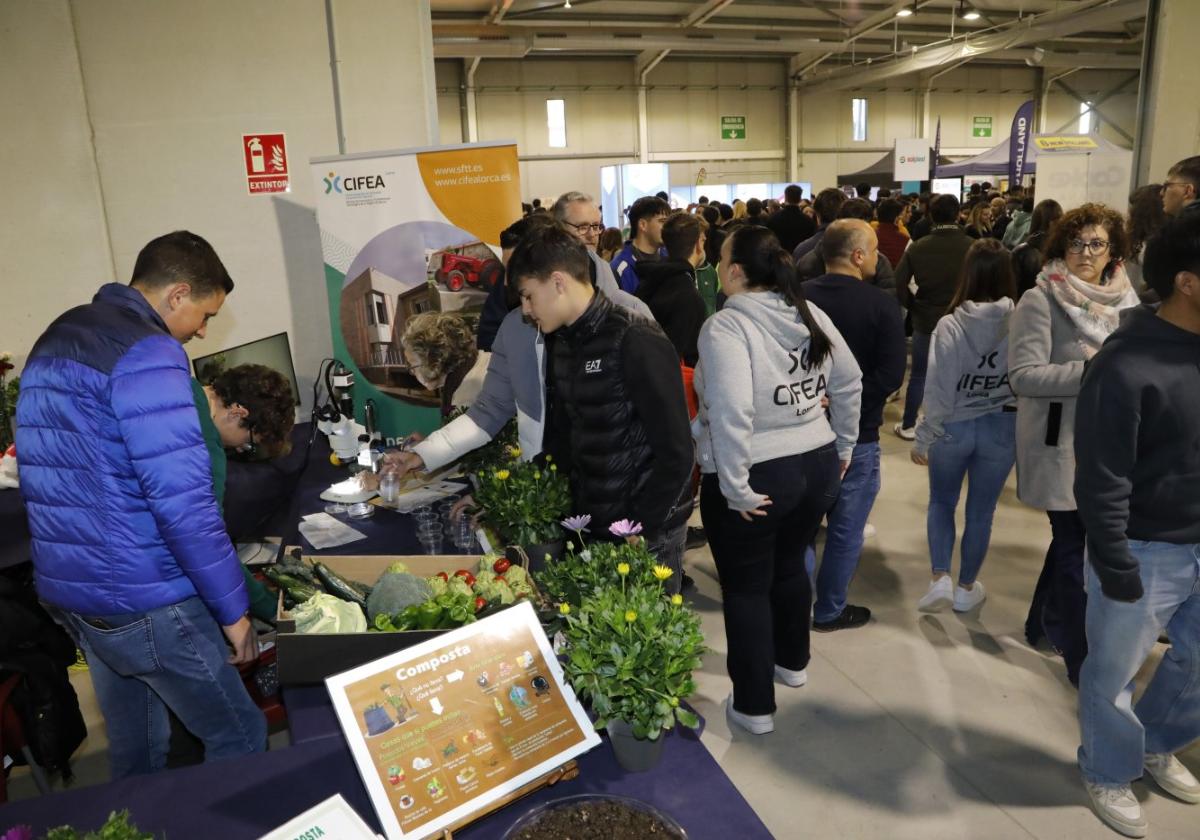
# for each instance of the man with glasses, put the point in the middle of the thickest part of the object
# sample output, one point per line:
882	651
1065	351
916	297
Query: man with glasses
646	218
1181	190
578	213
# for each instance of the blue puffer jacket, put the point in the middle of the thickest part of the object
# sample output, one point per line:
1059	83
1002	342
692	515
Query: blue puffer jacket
114	471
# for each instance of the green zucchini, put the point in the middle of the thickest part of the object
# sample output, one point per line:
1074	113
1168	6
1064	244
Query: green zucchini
339	586
294	588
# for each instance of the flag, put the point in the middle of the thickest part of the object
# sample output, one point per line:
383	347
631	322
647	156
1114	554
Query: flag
1018	143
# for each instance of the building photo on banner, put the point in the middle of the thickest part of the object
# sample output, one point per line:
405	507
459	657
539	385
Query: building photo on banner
593	419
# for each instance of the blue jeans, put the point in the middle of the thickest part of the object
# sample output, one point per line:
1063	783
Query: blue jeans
844	533
170	657
1120	635
983	449
916	378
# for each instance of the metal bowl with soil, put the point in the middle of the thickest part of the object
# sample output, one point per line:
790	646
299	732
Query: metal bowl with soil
595	817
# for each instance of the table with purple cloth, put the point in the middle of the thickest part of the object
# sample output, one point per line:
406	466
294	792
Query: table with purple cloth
247	797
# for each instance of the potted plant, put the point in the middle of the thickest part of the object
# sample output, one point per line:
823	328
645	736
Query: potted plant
523	502
631	649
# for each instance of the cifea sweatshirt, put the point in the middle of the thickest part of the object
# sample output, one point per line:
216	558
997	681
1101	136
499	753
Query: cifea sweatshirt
759	396
968	368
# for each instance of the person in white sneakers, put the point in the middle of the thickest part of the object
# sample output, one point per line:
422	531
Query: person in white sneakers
1137	482
969	427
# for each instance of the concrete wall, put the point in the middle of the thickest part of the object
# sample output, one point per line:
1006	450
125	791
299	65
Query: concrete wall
131	116
686	99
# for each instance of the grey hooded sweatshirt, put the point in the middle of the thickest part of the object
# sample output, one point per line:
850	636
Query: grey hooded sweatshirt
968	368
760	400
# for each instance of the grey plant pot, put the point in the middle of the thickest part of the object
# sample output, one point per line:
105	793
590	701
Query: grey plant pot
636	755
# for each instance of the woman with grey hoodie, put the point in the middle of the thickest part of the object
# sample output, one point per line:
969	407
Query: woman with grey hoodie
969	427
771	459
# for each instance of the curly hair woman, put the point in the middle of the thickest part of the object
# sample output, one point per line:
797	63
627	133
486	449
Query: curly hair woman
1056	328
440	348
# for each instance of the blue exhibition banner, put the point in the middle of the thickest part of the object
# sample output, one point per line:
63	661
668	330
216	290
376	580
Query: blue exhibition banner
1018	143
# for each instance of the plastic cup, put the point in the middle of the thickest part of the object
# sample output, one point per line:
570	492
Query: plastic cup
464	533
431	544
389	488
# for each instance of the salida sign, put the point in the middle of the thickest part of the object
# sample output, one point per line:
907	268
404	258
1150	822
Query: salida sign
266	160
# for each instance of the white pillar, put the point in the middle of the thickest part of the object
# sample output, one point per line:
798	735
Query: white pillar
643	128
1168	117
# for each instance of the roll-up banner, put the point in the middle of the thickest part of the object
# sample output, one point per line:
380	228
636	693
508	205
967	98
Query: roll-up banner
1018	143
405	232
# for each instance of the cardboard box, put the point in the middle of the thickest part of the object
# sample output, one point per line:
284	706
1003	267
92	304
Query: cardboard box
308	658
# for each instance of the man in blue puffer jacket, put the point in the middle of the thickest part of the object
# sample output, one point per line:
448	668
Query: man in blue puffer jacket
127	541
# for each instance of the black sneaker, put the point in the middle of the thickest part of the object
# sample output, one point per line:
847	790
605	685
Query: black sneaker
850	618
695	538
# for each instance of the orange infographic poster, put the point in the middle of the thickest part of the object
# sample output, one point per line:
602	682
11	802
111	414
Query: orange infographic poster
444	728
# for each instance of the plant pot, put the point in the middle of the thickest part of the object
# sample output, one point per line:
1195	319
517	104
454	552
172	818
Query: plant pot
536	553
634	754
553	819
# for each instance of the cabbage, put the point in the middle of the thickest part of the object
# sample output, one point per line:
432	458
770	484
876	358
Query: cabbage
325	613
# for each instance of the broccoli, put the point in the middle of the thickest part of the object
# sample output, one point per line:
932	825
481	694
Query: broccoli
394	592
396	568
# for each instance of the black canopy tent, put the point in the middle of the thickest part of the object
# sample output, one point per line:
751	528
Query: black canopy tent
879	173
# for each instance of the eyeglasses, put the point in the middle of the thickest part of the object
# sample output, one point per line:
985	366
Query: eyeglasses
1168	184
1096	247
587	226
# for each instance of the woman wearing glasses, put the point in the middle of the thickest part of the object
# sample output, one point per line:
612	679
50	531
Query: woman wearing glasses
1057	326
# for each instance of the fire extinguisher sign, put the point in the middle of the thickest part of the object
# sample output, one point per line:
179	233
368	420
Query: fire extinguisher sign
266	162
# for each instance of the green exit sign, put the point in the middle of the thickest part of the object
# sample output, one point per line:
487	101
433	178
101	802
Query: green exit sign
981	126
733	128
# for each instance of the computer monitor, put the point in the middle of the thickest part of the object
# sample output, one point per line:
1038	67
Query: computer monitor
274	352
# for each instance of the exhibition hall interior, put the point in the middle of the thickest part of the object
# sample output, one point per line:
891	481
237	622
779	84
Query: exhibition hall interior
600	419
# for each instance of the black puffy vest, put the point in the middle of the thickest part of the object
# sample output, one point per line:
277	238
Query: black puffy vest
610	455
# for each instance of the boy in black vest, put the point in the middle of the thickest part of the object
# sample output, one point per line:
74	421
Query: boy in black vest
618	418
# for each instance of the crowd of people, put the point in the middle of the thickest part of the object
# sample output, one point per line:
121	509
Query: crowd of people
735	357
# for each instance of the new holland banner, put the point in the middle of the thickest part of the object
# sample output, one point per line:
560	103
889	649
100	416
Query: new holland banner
406	232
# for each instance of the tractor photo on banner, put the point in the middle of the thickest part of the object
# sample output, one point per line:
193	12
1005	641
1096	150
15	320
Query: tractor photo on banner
402	233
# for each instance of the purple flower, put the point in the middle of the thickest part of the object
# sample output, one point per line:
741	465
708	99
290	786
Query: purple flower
625	528
18	832
577	523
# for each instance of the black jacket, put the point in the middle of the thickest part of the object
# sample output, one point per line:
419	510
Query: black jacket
935	262
920	228
869	319
620	421
791	226
669	288
1137	446
1027	262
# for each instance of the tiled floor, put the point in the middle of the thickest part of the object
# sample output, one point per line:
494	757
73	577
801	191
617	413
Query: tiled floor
915	726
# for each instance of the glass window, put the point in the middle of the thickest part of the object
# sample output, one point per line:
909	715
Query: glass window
1085	117
556	123
858	120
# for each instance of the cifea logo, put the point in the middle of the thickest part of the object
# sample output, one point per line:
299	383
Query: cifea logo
357	183
333	183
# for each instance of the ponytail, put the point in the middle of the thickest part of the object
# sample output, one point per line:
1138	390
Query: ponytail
768	266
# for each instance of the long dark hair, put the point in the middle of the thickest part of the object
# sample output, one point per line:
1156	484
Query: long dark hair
1146	216
769	267
1045	214
987	274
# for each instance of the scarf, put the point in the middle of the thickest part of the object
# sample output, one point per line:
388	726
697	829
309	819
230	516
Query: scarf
1092	308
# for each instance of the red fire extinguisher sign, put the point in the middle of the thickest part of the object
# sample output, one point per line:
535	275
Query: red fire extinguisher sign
266	160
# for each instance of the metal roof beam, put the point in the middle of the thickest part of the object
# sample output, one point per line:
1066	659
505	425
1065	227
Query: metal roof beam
701	15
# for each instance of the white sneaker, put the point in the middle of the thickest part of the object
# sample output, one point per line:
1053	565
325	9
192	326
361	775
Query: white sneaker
754	724
869	531
905	434
793	678
1173	777
939	596
1118	808
966	600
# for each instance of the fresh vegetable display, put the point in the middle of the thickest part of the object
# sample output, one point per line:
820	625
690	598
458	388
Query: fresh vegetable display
461	598
395	591
325	613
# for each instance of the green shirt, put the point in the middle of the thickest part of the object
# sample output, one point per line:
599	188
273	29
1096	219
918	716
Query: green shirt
707	283
262	604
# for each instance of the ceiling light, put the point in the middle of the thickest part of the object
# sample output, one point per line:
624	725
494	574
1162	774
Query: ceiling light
967	12
905	12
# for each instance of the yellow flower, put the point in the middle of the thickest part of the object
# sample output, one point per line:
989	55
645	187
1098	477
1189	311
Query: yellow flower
537	476
622	569
673	702
630	616
503	474
554	468
677	600
514	451
662	572
565	609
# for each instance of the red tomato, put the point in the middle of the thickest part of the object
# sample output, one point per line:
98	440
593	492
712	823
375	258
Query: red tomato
465	575
501	566
480	603
443	576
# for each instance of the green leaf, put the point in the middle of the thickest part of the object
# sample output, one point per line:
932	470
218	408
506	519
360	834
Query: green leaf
686	718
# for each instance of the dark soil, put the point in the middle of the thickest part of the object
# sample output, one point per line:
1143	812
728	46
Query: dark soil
597	821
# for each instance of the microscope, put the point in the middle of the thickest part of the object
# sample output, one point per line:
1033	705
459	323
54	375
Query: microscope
351	442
